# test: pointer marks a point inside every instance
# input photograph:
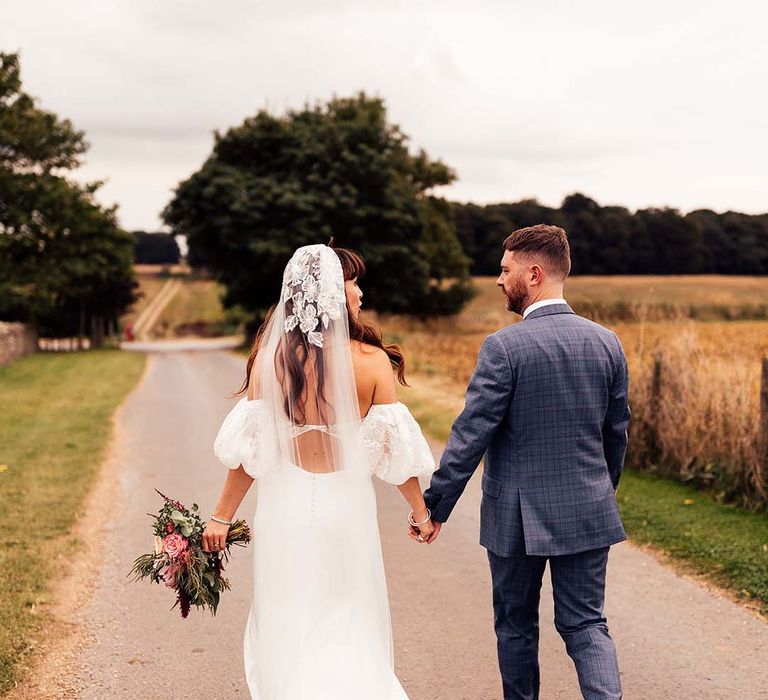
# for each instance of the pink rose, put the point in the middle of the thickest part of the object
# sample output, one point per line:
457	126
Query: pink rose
169	573
174	545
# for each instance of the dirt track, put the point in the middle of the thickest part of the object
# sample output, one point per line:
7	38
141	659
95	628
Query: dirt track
676	639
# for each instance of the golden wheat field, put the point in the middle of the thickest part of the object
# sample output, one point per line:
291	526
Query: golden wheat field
639	298
698	420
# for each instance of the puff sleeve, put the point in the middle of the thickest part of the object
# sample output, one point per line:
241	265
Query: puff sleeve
239	440
394	445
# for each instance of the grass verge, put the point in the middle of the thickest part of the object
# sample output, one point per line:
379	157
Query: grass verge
725	544
55	426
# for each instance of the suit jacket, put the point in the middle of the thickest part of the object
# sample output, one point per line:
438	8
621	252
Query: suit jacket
547	405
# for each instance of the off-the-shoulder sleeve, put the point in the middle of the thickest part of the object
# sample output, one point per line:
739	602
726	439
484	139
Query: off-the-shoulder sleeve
394	444
239	438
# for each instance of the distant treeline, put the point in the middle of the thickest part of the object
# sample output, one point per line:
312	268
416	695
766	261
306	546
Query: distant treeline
155	248
612	240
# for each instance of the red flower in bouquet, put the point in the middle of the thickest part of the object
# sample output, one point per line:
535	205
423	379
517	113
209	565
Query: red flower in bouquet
178	559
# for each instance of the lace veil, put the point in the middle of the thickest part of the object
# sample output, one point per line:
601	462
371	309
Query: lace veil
303	371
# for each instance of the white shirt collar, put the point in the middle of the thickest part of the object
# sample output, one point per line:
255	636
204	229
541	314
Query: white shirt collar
543	302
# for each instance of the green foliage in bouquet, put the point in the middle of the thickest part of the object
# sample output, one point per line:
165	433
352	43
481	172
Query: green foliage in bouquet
179	562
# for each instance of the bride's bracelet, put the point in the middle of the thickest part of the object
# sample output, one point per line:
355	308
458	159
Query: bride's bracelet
223	522
423	522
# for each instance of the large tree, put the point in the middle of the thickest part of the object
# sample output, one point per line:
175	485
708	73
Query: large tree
65	265
332	170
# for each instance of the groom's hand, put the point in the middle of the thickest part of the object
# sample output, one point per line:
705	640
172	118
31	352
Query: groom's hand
435	532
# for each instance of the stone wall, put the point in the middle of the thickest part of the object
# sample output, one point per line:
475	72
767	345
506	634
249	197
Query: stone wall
16	340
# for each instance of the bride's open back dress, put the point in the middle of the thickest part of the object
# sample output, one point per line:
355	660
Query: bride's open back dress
319	627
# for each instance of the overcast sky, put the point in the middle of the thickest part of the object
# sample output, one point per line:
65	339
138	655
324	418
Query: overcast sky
642	104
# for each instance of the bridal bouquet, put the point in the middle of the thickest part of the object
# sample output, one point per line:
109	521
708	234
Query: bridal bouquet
179	561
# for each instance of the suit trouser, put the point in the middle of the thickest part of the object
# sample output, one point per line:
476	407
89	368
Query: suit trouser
578	585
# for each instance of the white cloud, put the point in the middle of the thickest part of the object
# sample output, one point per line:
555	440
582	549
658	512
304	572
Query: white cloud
658	103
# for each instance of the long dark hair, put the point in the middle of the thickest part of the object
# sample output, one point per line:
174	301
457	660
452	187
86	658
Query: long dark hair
300	351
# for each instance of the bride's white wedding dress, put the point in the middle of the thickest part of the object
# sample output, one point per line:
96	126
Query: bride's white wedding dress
319	627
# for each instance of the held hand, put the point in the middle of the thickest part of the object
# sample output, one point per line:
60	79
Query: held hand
436	527
418	519
422	532
426	533
215	536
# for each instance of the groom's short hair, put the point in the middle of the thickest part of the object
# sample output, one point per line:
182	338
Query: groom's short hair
548	243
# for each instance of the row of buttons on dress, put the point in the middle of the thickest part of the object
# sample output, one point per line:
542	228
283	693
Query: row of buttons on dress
313	499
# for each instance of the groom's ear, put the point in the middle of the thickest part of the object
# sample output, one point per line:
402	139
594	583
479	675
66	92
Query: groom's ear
536	274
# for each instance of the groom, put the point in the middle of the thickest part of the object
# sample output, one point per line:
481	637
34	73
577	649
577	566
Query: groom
547	406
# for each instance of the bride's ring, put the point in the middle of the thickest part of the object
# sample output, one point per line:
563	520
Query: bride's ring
421	539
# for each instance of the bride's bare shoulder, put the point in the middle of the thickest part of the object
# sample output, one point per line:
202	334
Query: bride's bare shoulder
373	373
364	349
368	356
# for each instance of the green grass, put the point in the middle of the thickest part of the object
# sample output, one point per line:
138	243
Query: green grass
55	425
726	544
433	403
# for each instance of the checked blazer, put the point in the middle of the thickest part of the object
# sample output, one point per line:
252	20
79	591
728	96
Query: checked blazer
547	406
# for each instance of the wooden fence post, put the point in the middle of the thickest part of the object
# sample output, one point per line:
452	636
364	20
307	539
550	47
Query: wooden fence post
654	443
762	435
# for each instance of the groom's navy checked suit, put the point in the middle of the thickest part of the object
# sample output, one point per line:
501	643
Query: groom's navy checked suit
547	406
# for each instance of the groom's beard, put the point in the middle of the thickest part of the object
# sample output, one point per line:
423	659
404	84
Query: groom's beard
517	297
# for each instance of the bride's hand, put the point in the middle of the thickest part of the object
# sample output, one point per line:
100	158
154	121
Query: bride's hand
424	533
214	536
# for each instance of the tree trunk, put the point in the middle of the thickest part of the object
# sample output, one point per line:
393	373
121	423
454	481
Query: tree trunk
97	331
100	332
81	326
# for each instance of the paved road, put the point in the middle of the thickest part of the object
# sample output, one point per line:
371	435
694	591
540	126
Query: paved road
180	344
675	639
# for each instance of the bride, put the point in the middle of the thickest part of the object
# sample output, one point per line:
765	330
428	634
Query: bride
319	418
